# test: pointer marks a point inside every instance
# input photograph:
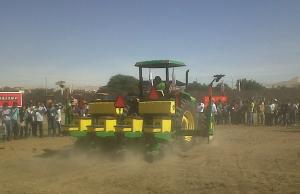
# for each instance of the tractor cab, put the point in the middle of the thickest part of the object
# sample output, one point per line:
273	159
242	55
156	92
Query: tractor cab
159	87
164	105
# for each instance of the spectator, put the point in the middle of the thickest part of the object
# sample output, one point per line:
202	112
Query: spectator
273	112
261	113
290	113
242	112
22	121
234	113
58	119
285	114
15	117
200	107
298	111
6	118
294	111
213	108
276	112
51	112
226	113
219	112
41	110
28	121
199	112
250	112
34	121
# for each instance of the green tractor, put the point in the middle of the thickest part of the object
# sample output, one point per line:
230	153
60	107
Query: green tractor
162	111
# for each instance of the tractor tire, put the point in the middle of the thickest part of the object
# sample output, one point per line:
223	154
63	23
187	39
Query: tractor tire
185	118
202	122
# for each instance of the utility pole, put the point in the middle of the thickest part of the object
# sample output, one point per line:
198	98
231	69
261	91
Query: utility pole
46	86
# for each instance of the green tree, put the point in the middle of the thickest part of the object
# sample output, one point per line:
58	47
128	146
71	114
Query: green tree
122	85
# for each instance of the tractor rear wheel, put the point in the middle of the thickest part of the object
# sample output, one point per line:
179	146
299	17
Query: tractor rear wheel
202	123
185	118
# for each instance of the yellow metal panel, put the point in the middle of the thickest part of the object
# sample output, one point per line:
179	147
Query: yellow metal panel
73	129
160	124
151	130
110	124
83	123
157	107
127	129
137	125
156	130
166	125
122	129
99	129
102	108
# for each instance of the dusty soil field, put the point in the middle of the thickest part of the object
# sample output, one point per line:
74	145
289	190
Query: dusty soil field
239	160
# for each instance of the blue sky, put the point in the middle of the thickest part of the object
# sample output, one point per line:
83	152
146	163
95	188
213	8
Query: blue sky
86	42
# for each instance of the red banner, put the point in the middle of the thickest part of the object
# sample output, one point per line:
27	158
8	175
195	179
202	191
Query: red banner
215	99
10	98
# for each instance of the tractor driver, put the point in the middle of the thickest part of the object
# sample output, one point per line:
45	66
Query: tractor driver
159	85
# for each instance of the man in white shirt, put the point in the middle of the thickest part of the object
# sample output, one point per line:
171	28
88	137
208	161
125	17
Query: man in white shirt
214	108
199	112
58	119
41	110
200	107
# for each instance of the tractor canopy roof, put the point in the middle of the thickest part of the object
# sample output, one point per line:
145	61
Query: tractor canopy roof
159	64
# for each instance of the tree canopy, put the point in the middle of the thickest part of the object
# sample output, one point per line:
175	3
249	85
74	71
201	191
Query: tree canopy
196	86
122	84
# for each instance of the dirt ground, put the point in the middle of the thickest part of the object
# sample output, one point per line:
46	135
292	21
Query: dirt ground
239	160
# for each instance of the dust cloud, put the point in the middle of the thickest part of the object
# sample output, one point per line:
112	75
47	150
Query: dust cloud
239	160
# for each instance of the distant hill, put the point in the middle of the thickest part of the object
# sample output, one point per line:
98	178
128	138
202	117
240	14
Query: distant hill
289	84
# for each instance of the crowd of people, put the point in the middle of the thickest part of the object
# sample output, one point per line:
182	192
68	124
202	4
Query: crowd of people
253	111
29	120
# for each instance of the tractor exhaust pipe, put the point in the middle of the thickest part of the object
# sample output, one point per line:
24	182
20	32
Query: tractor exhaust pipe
186	78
